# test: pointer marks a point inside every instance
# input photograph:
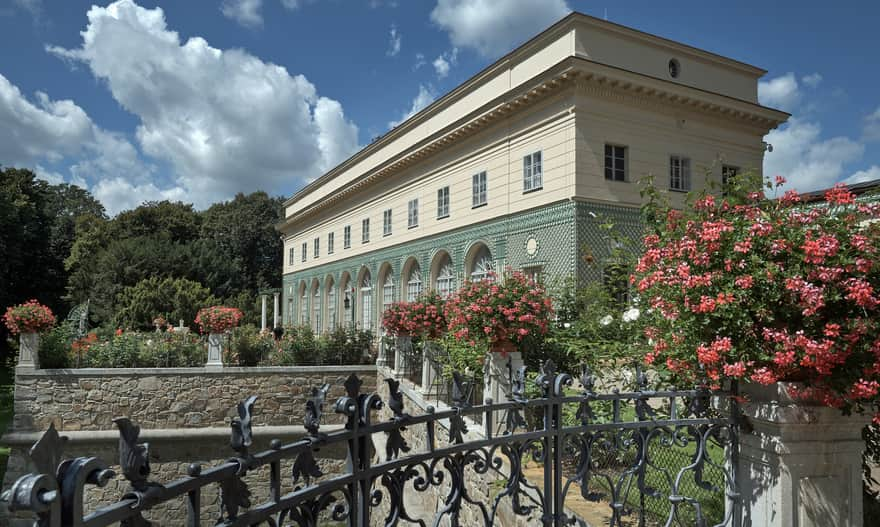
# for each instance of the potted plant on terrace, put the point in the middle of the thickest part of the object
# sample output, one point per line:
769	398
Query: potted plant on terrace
423	319
782	295
27	321
498	314
215	321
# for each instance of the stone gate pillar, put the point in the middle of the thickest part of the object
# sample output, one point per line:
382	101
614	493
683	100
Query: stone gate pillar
500	367
801	465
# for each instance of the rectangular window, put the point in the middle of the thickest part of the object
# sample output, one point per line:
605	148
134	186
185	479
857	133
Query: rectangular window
679	173
533	172
330	240
386	223
443	202
290	256
615	163
305	249
365	230
412	217
479	190
346	237
317	247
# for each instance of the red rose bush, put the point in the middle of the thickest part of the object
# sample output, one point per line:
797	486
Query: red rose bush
30	317
768	290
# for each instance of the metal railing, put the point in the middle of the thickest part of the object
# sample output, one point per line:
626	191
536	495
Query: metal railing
594	447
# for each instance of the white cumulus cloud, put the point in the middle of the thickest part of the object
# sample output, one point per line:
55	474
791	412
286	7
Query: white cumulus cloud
781	92
494	27
224	120
445	62
425	97
394	41
870	174
245	12
871	131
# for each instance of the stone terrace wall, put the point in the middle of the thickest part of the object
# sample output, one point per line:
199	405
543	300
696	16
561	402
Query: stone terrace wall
184	414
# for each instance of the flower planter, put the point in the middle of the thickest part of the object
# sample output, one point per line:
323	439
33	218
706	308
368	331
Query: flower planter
28	350
215	350
801	462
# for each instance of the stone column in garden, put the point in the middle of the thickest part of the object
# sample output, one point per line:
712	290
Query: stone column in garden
275	314
499	368
262	312
215	350
801	465
29	345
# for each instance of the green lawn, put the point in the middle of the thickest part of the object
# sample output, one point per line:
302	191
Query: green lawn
7	377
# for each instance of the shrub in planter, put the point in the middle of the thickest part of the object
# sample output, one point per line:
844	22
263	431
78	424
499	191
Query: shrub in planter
30	317
504	309
743	287
218	319
424	317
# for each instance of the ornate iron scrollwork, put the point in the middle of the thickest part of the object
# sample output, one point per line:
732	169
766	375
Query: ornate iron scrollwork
615	448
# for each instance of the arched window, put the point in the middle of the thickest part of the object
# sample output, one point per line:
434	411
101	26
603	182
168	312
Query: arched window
316	308
483	265
414	283
366	302
331	307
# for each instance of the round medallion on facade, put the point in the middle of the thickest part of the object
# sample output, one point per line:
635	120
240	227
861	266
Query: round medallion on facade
531	246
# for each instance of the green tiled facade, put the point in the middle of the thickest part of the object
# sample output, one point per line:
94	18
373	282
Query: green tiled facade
564	233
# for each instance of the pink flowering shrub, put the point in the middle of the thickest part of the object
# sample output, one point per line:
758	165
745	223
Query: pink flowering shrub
218	319
30	317
423	317
506	308
744	287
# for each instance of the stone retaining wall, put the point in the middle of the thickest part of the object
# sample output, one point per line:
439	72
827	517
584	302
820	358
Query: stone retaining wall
184	414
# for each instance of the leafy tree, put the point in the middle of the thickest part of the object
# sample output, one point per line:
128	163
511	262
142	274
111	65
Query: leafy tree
174	298
37	229
244	228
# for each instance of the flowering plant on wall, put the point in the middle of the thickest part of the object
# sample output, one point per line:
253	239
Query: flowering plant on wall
500	310
218	319
30	317
423	317
744	287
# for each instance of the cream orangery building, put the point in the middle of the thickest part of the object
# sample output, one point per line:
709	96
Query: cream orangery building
518	167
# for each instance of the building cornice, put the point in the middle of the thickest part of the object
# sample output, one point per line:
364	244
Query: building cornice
573	73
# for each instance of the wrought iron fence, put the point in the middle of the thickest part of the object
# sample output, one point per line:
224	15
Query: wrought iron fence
594	447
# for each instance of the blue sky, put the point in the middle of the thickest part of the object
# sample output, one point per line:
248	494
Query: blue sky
197	100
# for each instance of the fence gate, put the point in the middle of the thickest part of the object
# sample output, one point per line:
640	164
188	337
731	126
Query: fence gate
623	458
